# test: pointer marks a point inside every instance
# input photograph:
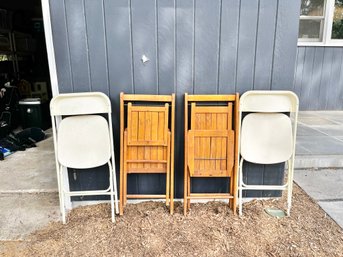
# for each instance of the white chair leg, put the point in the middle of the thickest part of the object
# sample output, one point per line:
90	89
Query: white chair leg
290	187
115	191
61	195
111	190
240	188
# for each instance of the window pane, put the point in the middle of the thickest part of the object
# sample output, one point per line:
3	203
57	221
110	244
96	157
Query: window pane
310	29
312	7
337	26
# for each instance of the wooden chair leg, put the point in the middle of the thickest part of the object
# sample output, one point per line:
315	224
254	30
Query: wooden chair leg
168	172
125	189
231	192
167	187
185	193
171	192
121	194
188	191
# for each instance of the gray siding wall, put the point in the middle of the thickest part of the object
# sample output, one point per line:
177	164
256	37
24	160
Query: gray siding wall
194	46
319	78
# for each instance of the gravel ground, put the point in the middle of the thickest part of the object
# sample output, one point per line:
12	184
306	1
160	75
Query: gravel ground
210	229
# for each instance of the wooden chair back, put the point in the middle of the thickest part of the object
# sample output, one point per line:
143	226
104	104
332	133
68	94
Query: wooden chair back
147	138
211	143
147	141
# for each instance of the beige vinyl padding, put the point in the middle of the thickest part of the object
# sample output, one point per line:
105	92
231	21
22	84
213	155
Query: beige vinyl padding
83	141
267	138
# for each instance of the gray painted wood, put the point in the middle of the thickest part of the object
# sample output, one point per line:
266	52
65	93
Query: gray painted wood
307	72
285	53
62	55
166	46
318	78
332	96
325	91
76	26
246	45
206	52
264	44
228	46
194	46
144	43
96	41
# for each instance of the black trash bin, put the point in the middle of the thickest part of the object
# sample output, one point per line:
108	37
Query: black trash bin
34	113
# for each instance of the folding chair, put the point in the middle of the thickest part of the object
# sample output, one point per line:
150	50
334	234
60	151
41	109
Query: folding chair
147	142
211	144
267	135
83	139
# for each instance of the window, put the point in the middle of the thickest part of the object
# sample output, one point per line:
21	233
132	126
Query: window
321	23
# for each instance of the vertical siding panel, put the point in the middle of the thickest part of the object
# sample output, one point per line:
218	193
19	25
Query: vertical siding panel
118	42
78	45
265	44
228	46
273	174
339	105
299	71
184	45
144	43
286	39
184	60
334	89
326	74
246	47
119	59
166	47
96	46
62	55
307	75
314	85
207	18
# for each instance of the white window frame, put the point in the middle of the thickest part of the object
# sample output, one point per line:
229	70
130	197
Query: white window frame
329	7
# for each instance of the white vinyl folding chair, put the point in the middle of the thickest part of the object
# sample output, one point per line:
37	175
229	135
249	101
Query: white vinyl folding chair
268	135
83	139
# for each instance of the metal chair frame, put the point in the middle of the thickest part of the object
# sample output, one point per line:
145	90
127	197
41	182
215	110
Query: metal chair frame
83	105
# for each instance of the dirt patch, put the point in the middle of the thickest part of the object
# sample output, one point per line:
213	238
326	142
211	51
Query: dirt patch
210	229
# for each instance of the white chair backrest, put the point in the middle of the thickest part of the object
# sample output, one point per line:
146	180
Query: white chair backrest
83	142
269	101
267	135
80	103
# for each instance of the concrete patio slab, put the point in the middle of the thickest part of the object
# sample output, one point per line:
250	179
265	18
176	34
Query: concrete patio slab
319	140
321	185
325	187
334	209
22	214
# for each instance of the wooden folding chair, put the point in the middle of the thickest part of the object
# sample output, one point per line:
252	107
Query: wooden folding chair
147	142
211	144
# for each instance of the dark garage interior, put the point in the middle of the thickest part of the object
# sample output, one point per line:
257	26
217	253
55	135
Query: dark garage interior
25	88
